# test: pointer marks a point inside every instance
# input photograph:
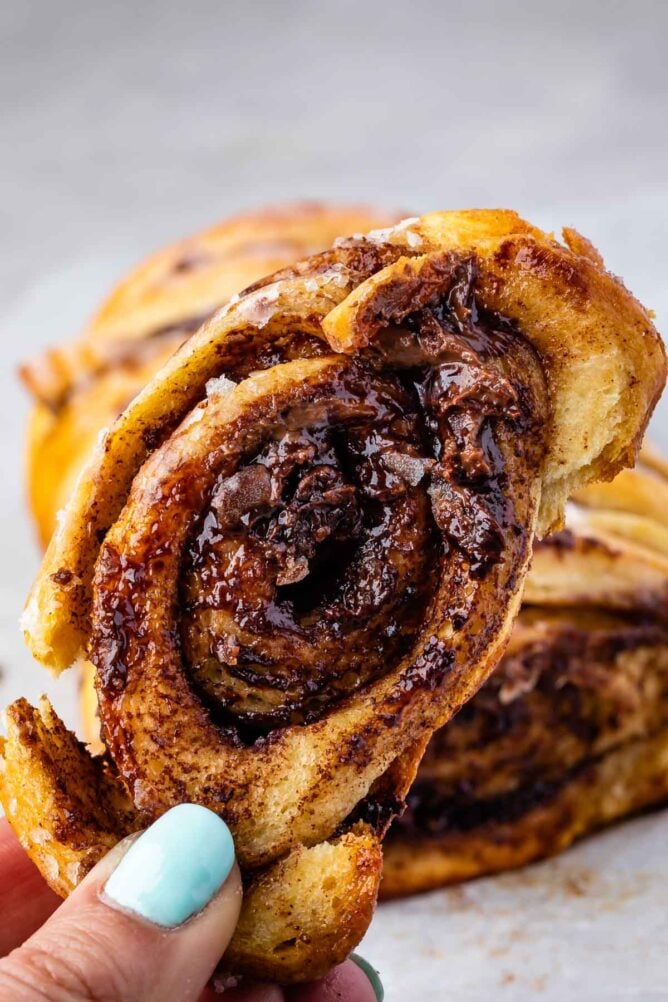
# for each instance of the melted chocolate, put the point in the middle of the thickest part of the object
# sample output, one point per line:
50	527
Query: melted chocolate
306	573
311	559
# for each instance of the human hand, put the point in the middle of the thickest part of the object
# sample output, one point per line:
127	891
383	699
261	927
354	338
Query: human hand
150	922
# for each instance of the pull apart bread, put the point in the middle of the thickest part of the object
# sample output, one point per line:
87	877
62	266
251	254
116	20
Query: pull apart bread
302	547
570	733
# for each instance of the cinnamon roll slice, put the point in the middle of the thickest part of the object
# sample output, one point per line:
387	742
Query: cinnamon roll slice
81	387
570	733
301	549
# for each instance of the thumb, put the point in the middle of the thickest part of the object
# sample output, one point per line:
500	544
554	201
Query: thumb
149	922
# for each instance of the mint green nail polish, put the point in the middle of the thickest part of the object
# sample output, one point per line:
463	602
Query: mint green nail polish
371	973
175	867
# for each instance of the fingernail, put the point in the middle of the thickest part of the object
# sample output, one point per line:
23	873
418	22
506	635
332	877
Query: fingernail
371	973
174	868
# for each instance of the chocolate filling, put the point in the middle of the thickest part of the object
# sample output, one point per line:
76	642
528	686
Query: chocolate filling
546	715
433	813
306	572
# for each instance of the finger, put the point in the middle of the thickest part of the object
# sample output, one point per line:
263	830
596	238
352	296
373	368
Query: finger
248	993
150	922
354	981
26	901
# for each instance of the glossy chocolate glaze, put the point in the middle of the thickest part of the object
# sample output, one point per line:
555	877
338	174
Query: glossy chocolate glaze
306	571
312	558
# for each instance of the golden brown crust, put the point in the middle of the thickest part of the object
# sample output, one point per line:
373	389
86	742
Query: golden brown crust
385	407
81	387
623	782
309	911
614	552
571	732
66	808
579	318
297	919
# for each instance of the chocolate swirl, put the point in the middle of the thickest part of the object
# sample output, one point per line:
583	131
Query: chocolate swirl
307	570
289	545
308	532
321	544
301	548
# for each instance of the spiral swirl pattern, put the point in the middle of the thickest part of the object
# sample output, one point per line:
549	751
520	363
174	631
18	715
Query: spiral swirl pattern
307	532
301	548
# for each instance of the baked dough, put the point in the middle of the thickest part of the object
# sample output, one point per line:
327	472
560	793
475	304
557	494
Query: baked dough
571	731
614	551
81	387
301	549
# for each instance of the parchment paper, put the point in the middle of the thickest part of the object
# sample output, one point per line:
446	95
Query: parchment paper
589	925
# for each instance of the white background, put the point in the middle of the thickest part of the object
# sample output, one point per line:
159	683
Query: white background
125	125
